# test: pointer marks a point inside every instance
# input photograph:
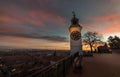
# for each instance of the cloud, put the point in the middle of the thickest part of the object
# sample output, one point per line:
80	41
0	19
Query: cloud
55	38
105	18
44	37
114	0
14	25
105	24
88	27
47	16
43	19
111	29
3	29
17	19
22	42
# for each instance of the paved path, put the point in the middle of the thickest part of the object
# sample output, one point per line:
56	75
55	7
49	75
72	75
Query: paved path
101	65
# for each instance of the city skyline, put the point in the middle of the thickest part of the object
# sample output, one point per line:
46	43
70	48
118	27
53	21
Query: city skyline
43	24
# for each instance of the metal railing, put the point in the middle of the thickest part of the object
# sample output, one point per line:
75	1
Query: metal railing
59	69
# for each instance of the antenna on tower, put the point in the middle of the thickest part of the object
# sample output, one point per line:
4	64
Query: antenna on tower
73	14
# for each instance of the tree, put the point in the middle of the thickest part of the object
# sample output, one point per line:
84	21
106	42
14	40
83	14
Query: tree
92	39
114	42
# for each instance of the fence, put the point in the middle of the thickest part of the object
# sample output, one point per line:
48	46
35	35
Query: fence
58	69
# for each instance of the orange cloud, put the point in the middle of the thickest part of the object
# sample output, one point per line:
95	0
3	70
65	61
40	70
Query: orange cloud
16	19
4	18
105	18
35	17
13	24
20	42
111	29
48	17
88	27
3	29
29	20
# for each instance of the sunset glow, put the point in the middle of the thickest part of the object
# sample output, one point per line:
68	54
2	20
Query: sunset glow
44	24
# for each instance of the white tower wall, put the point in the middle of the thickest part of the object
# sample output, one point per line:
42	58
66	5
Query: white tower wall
75	36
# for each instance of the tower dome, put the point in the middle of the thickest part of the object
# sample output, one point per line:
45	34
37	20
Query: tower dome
75	22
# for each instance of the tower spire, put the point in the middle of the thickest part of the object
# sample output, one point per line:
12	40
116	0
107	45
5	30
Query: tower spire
74	20
73	14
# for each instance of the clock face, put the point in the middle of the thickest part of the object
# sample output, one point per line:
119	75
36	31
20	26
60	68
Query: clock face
75	35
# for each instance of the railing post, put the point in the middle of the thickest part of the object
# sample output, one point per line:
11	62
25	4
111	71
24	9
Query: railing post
64	68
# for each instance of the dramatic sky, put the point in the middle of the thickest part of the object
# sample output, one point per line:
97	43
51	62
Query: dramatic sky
44	23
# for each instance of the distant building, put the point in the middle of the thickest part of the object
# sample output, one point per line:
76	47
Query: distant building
103	49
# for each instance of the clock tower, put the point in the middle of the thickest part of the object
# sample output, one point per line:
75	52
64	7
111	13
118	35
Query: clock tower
75	36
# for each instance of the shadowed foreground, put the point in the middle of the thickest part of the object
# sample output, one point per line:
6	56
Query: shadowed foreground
101	65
